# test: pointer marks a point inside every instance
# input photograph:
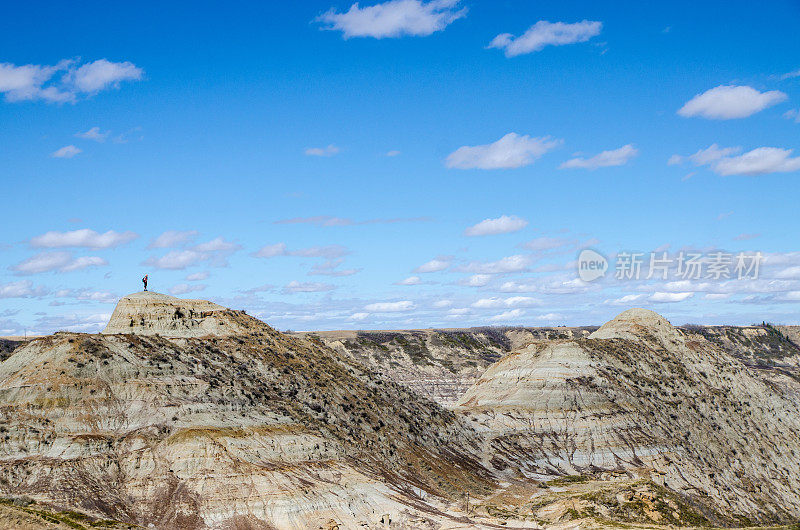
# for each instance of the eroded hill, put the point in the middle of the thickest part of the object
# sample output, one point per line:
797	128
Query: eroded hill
185	414
438	363
256	429
642	396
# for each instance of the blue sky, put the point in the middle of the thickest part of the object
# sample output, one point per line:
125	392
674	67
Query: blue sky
398	164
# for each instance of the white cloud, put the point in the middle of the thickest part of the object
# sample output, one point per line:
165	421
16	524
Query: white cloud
68	151
322	151
513	301
80	323
134	134
488	303
508	315
679	286
411	280
792	114
329	268
727	102
787	258
615	157
94	134
390	307
307	287
84	262
790	75
625	300
217	245
21	289
669	297
329	252
724	215
550	317
83	238
56	261
746	237
789	273
501	225
759	161
524	301
270	251
395	18
545	33
477	280
359	316
575	285
442	303
102	74
183	288
510	151
197	276
215	251
393	152
177	259
712	153
674	160
434	265
65	81
173	238
508	264
105	297
21	83
518	287
551	285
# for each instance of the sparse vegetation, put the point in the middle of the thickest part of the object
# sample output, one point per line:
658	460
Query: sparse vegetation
65	518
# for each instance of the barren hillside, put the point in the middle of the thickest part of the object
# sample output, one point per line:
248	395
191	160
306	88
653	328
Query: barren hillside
186	415
252	428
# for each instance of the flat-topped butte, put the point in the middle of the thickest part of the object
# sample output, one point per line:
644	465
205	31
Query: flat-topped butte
151	313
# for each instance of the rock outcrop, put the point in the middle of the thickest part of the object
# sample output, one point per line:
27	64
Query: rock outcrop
639	324
151	313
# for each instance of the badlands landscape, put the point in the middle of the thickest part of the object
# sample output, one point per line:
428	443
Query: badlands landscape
183	414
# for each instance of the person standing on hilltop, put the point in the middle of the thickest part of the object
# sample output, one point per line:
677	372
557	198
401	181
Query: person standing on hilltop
144	281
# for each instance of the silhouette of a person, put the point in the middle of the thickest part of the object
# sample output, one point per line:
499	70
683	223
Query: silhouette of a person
144	281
